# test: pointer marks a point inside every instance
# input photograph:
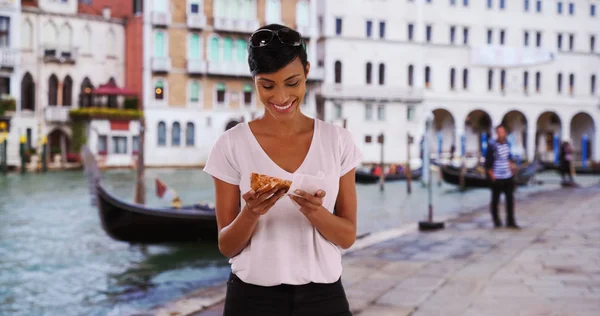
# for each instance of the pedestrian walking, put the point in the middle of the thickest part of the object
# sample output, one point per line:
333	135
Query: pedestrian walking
500	168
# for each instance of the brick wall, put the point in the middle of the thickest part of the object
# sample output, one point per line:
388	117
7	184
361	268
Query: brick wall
118	8
134	47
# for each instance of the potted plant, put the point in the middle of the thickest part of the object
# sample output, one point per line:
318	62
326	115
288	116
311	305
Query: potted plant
7	104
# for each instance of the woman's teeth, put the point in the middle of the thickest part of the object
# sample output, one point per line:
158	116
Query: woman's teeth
284	107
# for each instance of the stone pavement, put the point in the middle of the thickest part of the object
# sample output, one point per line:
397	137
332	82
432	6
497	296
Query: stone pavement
550	267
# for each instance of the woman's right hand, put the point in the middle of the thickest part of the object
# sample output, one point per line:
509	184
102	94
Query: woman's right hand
260	203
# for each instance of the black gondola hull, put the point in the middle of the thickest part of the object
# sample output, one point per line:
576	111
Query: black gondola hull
369	178
474	179
139	224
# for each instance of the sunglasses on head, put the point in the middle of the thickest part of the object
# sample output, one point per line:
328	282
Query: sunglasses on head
287	36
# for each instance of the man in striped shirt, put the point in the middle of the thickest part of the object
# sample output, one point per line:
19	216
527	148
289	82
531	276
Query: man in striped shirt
501	170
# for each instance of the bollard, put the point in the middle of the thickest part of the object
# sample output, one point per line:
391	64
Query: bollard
3	152
43	157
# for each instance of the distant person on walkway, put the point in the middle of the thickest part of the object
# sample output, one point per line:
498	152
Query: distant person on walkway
566	162
284	250
501	171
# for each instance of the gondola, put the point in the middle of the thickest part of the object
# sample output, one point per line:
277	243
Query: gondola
366	177
134	223
474	179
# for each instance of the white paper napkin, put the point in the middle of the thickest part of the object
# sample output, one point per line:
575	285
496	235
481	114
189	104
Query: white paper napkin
307	183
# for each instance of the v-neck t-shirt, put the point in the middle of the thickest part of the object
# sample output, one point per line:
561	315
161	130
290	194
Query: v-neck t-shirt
285	248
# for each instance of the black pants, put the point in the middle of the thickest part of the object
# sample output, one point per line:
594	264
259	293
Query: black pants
313	299
565	171
506	186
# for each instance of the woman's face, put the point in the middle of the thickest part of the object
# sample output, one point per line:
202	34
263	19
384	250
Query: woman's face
283	91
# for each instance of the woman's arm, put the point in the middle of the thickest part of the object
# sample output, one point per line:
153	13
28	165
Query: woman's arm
236	227
339	228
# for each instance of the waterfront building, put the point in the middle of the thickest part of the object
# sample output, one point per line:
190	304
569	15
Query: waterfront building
196	77
10	15
65	50
532	65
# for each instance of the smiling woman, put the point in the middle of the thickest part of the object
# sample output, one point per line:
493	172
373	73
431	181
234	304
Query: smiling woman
285	250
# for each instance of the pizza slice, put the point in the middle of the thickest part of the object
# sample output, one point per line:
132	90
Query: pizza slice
261	183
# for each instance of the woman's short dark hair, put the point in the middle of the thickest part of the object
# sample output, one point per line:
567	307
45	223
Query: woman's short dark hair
274	56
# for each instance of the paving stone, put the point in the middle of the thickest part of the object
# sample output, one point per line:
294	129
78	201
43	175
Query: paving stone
384	310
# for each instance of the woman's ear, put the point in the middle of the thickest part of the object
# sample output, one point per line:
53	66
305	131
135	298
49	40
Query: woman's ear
306	70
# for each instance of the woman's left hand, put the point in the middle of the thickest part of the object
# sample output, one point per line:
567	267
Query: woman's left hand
308	203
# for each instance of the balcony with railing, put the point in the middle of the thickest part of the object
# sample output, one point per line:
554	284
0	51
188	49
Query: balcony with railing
196	66
55	54
196	20
161	64
161	18
223	68
8	57
228	24
57	114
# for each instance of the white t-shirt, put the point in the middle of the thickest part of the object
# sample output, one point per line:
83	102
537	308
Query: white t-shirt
285	248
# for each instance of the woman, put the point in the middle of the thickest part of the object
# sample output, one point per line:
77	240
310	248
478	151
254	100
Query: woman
284	250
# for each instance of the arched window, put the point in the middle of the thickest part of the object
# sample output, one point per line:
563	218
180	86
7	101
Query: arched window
111	43
338	71
490	80
525	81
66	37
465	79
176	134
502	79
241	49
162	134
87	40
559	83
452	75
214	49
221	89
227	49
368	72
593	84
52	90
381	74
159	44
571	83
26	34
538	81
247	95
67	91
194	91
427	76
410	75
189	134
27	93
112	99
194	46
85	95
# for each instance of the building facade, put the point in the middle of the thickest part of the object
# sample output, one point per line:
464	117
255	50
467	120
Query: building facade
59	62
10	88
196	77
470	64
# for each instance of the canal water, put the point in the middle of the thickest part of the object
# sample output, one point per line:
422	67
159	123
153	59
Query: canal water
55	259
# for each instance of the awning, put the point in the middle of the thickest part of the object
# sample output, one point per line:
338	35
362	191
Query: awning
112	89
